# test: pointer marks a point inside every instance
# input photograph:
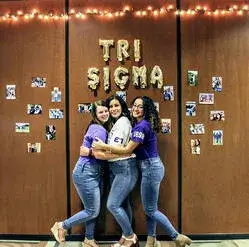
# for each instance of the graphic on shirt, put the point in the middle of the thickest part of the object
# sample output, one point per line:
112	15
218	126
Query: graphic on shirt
118	140
138	134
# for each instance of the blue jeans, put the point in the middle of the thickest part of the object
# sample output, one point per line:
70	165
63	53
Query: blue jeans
87	181
152	174
125	177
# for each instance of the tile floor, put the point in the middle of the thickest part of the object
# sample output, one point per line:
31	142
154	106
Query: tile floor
197	243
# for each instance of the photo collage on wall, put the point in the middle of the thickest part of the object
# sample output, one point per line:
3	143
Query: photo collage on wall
205	98
36	109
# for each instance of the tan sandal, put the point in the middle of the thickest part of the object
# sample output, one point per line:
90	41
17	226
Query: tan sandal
130	242
182	240
59	232
119	243
152	242
90	243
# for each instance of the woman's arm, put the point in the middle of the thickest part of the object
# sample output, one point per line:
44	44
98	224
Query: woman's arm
84	151
100	145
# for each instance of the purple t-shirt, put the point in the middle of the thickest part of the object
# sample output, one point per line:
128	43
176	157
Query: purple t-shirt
94	130
144	134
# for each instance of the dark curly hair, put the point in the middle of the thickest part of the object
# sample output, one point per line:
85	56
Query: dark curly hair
150	113
125	111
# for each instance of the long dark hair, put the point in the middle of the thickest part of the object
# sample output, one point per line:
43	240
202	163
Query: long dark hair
95	120
124	108
150	113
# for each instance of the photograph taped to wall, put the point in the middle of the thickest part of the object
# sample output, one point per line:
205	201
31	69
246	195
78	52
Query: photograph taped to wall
55	113
38	82
190	108
192	77
10	91
195	145
122	94
50	132
217	137
34	109
165	125
22	128
34	147
217	115
168	93
217	83
84	108
56	95
206	98
197	129
156	105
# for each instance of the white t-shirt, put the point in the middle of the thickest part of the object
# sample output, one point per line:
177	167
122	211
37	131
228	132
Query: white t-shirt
120	135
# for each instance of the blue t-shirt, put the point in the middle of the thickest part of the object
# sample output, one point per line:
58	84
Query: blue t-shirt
147	139
94	130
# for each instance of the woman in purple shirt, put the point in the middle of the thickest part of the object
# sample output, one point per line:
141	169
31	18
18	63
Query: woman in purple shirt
87	179
146	124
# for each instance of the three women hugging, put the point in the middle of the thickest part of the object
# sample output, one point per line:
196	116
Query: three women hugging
129	142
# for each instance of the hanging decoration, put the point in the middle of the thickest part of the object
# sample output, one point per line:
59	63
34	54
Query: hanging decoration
156	77
137	55
121	77
122	49
148	11
106	47
106	78
139	73
121	74
93	77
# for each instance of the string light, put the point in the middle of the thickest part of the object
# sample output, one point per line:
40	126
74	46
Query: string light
148	11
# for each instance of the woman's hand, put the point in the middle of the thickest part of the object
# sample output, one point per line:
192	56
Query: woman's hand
84	151
99	144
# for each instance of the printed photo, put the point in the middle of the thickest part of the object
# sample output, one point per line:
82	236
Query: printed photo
195	146
192	77
206	98
190	108
196	129
156	105
55	113
217	83
122	94
34	147
166	125
217	115
217	137
168	93
38	82
50	132
84	107
10	91
22	128
34	109
56	95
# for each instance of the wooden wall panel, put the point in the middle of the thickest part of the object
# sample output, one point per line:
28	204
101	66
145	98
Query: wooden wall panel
32	185
158	39
215	194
